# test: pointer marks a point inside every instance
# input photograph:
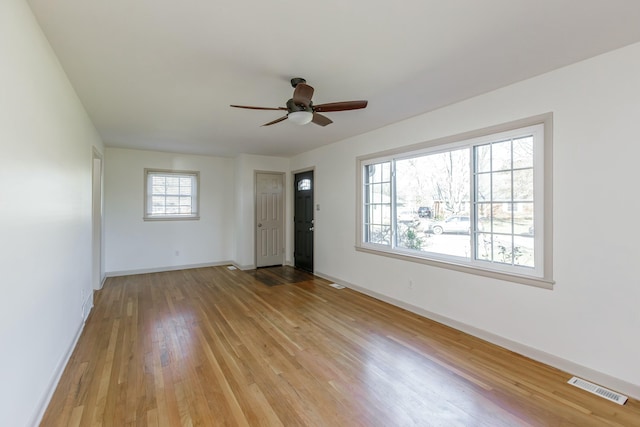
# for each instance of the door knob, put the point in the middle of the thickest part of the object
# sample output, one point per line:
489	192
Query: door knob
259	225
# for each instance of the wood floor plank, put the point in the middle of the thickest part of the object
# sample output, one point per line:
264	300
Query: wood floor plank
279	347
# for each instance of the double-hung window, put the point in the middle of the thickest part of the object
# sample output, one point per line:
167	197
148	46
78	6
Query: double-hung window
171	194
478	202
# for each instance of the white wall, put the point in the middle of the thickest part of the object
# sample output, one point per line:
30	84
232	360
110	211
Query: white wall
45	216
590	321
133	245
224	233
245	167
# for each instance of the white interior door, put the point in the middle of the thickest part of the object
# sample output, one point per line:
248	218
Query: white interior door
269	219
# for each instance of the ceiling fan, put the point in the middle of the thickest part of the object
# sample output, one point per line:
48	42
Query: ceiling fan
301	110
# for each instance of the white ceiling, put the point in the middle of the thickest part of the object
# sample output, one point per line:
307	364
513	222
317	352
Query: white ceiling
160	74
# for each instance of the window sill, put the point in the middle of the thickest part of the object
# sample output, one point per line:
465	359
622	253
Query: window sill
171	218
524	280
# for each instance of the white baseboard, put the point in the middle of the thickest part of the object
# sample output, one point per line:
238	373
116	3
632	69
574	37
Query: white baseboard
171	268
617	384
36	418
87	305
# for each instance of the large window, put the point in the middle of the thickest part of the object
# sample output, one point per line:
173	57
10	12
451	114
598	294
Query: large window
479	202
171	194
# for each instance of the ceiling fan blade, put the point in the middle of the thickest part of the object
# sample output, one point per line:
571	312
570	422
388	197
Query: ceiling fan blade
321	120
275	121
302	94
250	107
340	106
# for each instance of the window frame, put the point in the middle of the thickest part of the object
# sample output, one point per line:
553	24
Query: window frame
542	274
195	199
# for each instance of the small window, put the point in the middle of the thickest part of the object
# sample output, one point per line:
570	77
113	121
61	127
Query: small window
171	194
304	184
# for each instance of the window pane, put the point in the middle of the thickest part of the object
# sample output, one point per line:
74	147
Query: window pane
523	251
483	217
386	171
380	234
501	186
385	193
172	201
304	184
441	183
483	187
523	185
483	158
379	193
484	246
377	199
501	218
376	193
171	194
501	156
503	249
523	152
377	214
523	218
157	204
374	173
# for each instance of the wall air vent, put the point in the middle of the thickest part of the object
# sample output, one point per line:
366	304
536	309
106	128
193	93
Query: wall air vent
598	390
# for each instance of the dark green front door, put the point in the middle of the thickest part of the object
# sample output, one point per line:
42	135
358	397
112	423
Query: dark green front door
303	221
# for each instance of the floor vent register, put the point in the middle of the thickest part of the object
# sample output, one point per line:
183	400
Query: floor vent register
598	390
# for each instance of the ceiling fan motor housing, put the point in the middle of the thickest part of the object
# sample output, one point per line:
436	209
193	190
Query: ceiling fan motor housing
292	106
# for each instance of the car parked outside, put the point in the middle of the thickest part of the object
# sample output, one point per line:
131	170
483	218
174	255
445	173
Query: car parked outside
425	212
453	224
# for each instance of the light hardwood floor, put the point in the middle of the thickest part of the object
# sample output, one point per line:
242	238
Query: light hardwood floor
211	346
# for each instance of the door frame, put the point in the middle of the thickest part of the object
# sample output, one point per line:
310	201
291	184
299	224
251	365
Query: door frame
293	212
255	213
97	219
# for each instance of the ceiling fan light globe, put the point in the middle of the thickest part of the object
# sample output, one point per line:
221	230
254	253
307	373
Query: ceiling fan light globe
300	117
